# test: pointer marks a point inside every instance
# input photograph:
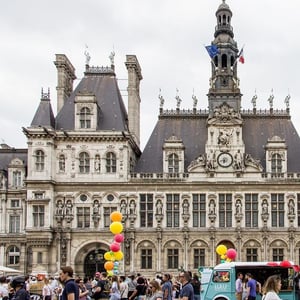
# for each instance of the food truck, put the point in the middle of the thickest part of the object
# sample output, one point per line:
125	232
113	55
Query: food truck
220	283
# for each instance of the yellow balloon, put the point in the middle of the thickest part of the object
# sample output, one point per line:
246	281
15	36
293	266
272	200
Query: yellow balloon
108	256
223	256
221	249
118	255
116	227
116	216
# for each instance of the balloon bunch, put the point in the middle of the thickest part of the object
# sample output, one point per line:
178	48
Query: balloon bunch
226	255
115	254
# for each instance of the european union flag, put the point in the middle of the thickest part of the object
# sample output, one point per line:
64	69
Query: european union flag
212	50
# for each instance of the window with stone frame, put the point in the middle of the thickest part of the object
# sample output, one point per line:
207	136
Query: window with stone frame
225	210
13	255
15	203
277	254
199	210
173	258
251	210
83	217
17	179
111	162
40	257
251	254
146	258
85	118
173	163
39	160
277	210
38	214
146	210
199	257
276	163
172	210
84	163
14	223
106	215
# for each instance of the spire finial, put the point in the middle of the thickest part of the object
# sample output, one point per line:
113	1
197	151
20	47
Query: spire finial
224	1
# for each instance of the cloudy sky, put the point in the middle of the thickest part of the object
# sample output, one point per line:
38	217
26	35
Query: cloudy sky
167	36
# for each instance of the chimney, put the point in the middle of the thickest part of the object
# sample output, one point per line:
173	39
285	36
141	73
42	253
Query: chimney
134	78
65	78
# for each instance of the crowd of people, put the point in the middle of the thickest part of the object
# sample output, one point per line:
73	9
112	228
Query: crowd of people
66	286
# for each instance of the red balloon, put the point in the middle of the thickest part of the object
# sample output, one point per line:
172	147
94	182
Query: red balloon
231	253
119	238
285	263
115	247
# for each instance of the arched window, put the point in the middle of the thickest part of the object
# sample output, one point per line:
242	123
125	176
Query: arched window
224	61
84	162
173	163
39	160
232	60
13	255
111	162
276	163
224	20
216	61
85	118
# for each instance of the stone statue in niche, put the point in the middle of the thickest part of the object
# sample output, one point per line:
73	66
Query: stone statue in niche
264	207
59	208
159	207
69	208
238	207
132	207
291	206
123	208
212	207
96	207
185	207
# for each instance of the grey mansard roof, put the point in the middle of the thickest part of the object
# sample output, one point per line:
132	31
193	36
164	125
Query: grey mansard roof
192	130
112	116
8	154
44	115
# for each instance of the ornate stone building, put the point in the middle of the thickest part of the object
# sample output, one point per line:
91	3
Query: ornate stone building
206	177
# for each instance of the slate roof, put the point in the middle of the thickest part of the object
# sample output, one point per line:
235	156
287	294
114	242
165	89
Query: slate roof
44	115
113	114
7	155
193	132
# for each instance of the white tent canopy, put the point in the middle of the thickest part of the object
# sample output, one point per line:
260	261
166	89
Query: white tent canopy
8	270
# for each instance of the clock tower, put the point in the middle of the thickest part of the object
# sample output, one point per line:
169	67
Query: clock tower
224	148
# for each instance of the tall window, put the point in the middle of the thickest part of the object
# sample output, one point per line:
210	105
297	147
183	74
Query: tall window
111	162
40	257
173	210
173	163
173	258
199	210
199	258
39	160
277	210
13	255
14	203
83	217
276	163
14	224
277	254
251	254
146	210
251	210
38	215
17	179
106	215
85	118
225	210
146	258
84	162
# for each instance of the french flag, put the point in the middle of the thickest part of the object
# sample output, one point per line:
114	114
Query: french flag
241	56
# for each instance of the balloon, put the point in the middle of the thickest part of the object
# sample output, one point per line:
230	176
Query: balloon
118	255
109	255
116	216
110	273
221	249
119	238
115	247
228	259
109	265
231	253
116	227
223	256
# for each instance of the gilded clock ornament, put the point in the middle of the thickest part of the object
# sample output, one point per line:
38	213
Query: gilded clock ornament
225	159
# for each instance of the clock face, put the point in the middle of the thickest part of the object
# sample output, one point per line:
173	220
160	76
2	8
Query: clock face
225	160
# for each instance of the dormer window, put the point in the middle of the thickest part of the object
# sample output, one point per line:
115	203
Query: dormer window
276	163
17	178
39	160
173	163
84	162
85	118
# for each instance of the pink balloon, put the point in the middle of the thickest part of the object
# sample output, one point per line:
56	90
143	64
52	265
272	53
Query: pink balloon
231	253
119	238
115	247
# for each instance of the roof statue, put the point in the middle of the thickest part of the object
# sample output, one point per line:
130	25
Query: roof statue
195	101
87	55
162	100
270	100
112	58
178	100
287	100
253	101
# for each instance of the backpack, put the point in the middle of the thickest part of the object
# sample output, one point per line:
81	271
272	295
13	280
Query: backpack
107	287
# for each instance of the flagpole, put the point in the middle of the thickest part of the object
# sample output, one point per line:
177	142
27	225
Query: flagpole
239	54
211	58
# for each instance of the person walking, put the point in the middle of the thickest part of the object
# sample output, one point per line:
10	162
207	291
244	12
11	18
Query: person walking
156	291
3	288
167	287
70	290
115	288
187	291
123	288
251	287
239	286
47	290
196	286
271	288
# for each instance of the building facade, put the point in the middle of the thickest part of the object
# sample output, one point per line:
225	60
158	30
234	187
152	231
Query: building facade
205	178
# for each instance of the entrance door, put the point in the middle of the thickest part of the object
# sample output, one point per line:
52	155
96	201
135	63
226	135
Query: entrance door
94	262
